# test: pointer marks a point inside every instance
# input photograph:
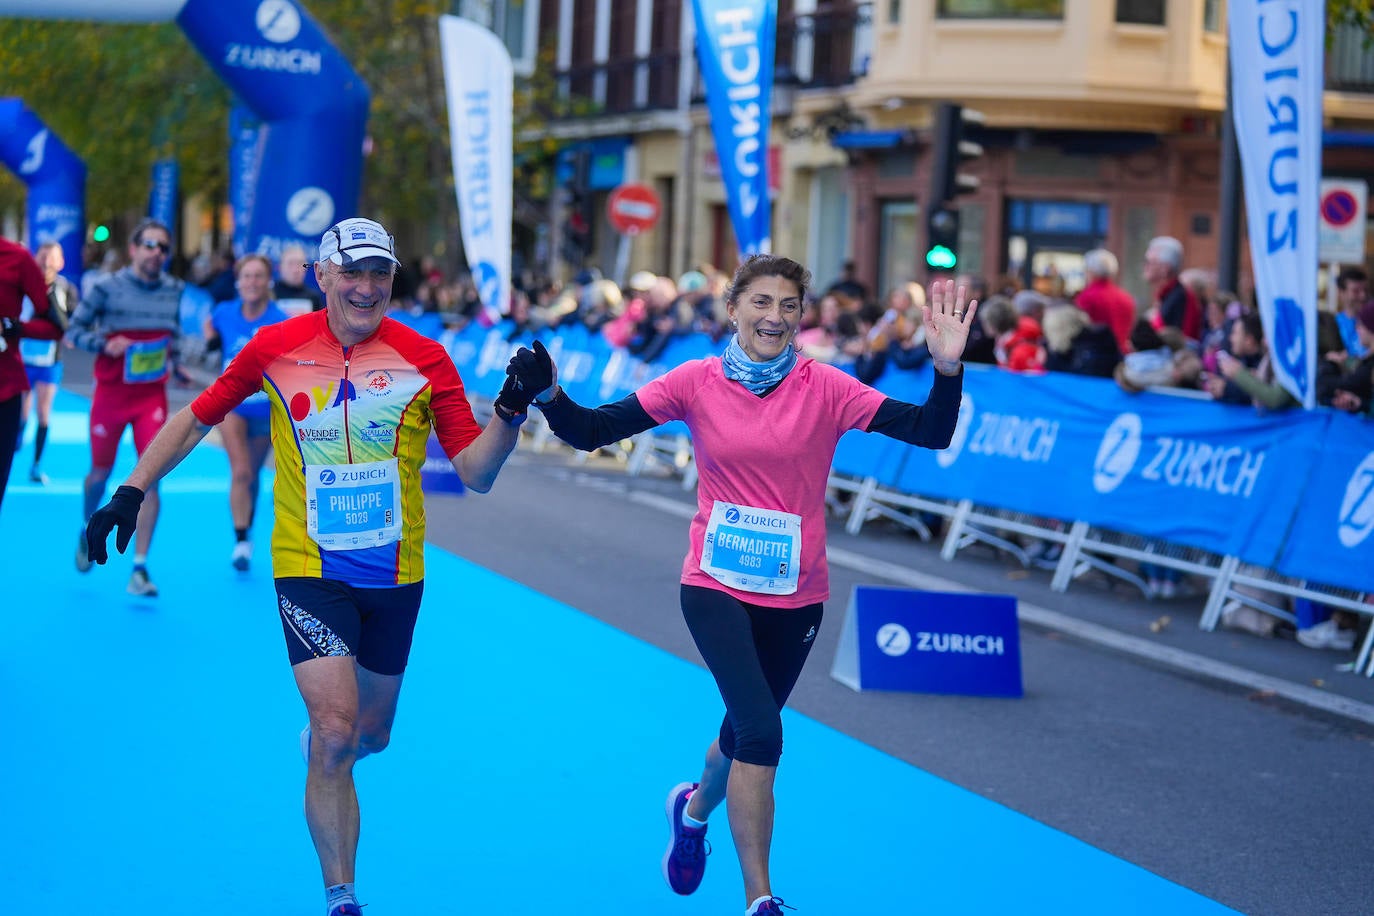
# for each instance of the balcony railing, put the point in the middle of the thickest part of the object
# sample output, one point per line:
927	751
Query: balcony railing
1350	61
828	47
626	84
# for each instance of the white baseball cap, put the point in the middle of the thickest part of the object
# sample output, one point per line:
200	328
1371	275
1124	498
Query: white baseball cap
356	238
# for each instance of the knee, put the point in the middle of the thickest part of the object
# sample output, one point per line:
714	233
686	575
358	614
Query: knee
336	737
759	742
245	479
373	740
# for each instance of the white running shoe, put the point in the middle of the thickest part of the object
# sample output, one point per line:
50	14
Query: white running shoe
141	585
83	556
1326	635
243	553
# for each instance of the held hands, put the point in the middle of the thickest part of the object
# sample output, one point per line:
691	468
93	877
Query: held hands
947	320
120	512
531	373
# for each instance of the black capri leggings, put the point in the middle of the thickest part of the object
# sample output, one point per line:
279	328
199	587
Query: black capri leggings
756	655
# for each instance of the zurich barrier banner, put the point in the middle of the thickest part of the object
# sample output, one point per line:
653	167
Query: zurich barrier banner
735	41
1292	491
56	181
480	87
162	199
1276	49
278	62
929	642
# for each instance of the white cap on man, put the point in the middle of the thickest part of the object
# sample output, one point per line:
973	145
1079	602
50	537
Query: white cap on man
354	239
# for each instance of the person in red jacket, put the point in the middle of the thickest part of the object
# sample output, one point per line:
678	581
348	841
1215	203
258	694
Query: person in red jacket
20	276
1104	301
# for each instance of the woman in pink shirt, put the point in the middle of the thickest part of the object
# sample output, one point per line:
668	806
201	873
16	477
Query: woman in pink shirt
764	425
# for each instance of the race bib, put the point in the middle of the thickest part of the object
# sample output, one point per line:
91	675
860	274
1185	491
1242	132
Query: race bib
353	506
753	550
146	361
38	352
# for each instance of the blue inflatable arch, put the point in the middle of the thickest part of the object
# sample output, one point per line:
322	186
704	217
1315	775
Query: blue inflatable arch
303	170
56	181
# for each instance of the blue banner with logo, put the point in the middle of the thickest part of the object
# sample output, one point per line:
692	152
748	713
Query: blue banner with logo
930	642
1190	472
1278	120
735	42
245	164
55	178
1332	539
162	199
313	106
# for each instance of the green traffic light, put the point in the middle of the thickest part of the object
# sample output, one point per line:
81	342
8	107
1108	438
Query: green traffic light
101	233
941	258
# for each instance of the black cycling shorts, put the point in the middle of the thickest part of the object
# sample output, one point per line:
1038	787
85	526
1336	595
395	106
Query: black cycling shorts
322	618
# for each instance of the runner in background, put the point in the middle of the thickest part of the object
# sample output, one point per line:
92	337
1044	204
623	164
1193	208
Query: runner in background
43	358
131	320
245	432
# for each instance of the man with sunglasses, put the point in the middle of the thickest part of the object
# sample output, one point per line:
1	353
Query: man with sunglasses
131	321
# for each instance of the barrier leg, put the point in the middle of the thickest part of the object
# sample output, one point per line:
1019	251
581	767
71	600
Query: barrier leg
1063	572
1216	599
956	529
858	513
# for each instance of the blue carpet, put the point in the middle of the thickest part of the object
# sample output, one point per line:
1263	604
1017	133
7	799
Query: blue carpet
151	763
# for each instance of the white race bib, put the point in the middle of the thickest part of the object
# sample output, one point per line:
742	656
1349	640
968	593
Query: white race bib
753	550
38	352
353	506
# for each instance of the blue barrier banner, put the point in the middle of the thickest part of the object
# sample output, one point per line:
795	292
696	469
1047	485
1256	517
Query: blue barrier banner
735	41
1187	471
162	199
930	642
314	107
56	181
1332	538
437	474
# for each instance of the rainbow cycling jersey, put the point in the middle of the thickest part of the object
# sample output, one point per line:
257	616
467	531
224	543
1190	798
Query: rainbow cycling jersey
349	428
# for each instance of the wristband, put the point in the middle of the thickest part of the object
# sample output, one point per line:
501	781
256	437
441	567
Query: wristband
556	392
508	415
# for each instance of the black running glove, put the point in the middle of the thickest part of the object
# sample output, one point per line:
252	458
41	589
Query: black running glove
12	330
529	374
121	512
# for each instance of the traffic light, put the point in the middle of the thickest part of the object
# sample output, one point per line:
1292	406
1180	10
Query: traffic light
578	209
950	148
101	233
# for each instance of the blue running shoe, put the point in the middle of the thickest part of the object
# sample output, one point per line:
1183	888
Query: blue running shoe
773	906
684	864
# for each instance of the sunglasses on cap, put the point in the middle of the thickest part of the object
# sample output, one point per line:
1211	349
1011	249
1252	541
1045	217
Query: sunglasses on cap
150	244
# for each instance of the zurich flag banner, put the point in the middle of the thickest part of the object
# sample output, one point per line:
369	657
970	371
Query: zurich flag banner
1276	51
480	84
56	181
162	200
245	164
735	41
313	107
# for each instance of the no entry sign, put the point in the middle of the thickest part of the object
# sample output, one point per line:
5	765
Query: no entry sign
1341	225
633	208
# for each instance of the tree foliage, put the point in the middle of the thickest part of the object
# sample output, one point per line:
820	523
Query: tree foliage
1359	13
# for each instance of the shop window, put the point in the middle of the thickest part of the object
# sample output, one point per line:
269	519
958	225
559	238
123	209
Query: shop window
1140	12
1000	9
897	244
1211	15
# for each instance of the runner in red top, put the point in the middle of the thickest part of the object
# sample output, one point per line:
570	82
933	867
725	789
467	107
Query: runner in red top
20	276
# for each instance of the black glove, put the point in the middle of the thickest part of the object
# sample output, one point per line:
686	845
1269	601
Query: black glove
122	512
12	330
530	372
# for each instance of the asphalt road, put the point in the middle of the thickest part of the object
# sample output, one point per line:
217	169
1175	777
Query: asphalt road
1253	800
